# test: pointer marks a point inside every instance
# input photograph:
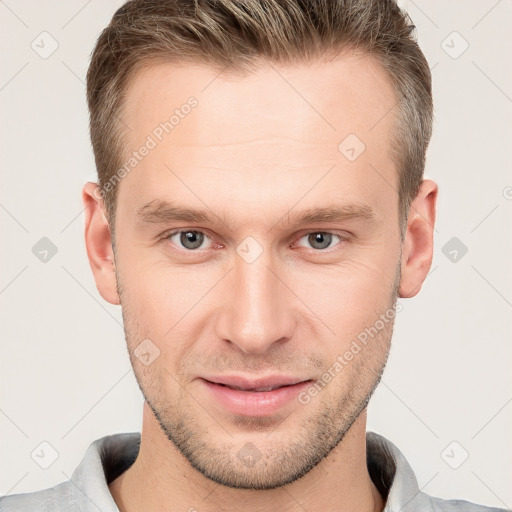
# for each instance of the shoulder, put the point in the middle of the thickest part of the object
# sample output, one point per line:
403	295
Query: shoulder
59	497
441	505
394	478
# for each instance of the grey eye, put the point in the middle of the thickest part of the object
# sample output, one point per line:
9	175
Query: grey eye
189	239
320	239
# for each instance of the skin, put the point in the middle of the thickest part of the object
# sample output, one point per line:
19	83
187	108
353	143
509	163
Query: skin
254	152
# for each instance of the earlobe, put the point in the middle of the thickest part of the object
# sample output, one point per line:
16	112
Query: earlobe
418	245
99	243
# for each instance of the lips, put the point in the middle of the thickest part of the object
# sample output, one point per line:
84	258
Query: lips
252	397
255	390
261	384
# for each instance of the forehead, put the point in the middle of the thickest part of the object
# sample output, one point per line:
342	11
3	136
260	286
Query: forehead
329	98
260	134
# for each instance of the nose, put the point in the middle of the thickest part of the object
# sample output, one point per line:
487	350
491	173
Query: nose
258	309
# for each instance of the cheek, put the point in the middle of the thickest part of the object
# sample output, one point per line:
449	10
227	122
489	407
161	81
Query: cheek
349	296
168	305
160	294
156	307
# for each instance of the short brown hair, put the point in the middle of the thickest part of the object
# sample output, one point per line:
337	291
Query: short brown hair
236	35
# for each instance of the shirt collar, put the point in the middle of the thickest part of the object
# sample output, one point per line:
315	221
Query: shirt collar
108	457
393	476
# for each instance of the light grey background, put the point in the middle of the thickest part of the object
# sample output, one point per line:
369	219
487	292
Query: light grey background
65	376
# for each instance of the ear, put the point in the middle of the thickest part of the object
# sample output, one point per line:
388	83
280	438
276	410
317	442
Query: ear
99	243
418	245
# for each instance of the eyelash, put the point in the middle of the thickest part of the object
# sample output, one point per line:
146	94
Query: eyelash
168	236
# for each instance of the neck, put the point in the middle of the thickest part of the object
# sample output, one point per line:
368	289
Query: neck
162	479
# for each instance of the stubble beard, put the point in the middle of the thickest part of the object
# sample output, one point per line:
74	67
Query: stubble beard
282	455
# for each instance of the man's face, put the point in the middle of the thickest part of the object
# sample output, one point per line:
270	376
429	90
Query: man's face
251	292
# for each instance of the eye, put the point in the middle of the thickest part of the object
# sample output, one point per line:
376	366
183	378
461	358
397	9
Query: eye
192	240
320	240
189	239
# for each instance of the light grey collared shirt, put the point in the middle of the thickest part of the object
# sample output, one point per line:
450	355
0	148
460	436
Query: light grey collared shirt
108	457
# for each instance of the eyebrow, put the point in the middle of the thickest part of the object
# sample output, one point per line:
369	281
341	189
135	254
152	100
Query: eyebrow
161	212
